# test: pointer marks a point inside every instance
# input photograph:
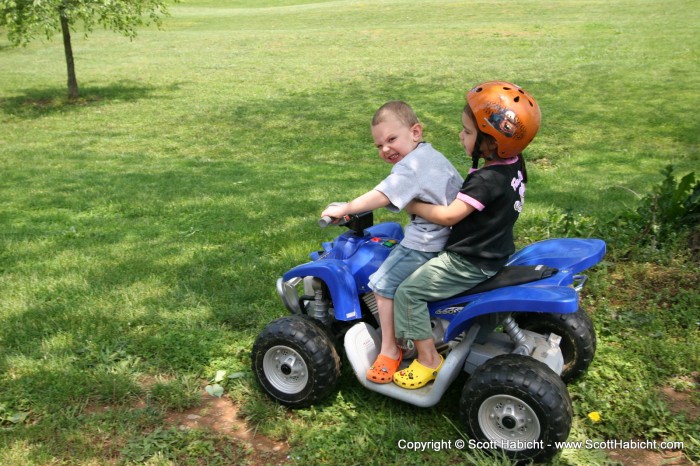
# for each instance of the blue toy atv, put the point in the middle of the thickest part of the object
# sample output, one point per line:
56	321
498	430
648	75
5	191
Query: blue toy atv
520	336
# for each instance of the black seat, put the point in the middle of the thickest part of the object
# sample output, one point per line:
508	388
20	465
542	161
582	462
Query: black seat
511	275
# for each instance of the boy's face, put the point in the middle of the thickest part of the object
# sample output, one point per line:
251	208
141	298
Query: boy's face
394	140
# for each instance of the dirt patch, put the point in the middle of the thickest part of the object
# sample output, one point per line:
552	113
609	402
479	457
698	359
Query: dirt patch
220	415
643	282
649	458
680	401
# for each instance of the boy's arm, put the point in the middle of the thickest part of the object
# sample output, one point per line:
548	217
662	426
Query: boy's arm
371	200
441	214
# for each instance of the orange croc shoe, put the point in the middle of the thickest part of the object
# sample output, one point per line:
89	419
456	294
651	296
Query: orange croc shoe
417	375
383	369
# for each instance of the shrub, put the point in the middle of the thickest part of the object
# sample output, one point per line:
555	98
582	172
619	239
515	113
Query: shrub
665	220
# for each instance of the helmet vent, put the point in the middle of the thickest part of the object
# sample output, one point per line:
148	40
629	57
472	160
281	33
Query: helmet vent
479	89
506	88
516	99
531	104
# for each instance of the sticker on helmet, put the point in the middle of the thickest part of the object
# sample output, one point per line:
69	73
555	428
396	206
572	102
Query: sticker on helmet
505	122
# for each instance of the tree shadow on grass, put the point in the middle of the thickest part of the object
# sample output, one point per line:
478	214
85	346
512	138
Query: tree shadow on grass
37	103
174	264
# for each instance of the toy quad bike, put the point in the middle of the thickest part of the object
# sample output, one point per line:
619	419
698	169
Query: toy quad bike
519	335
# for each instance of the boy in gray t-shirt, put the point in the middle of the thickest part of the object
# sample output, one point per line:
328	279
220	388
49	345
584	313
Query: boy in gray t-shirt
419	172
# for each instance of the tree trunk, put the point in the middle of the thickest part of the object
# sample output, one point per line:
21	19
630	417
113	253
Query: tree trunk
72	81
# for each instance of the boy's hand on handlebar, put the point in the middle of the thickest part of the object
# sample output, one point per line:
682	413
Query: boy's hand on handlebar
335	211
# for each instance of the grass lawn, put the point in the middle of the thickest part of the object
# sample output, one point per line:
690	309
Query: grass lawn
142	228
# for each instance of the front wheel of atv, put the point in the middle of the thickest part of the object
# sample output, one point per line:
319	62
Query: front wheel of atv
578	340
516	404
295	361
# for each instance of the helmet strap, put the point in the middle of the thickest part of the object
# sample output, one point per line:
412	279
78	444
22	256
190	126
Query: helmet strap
522	161
475	162
476	153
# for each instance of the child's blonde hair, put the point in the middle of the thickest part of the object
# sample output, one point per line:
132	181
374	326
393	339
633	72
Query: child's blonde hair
395	109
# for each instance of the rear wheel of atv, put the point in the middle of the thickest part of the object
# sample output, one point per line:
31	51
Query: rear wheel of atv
578	340
295	361
516	404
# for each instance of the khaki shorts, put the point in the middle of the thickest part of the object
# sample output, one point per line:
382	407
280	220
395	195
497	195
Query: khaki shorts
446	275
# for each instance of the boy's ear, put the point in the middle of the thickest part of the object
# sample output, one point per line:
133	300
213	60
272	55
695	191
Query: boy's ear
417	132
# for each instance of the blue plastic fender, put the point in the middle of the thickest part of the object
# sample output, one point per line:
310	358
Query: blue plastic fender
573	254
340	281
553	299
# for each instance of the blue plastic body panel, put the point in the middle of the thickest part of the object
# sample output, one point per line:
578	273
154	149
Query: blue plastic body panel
552	295
340	281
573	254
551	299
346	263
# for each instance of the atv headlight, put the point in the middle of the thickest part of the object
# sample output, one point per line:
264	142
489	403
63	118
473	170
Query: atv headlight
287	292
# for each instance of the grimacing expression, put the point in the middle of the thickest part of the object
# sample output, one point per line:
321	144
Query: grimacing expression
394	140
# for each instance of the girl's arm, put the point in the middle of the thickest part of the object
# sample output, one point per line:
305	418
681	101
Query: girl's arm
441	214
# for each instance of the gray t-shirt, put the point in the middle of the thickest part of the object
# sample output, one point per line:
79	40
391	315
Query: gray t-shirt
424	174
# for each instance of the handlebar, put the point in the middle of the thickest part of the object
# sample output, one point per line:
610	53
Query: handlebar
355	222
325	221
328	220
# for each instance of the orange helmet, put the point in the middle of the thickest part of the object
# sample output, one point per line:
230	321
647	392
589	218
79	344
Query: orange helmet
506	112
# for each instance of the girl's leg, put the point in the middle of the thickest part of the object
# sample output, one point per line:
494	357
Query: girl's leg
427	354
440	278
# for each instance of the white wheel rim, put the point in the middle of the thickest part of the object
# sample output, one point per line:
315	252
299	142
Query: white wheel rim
285	369
509	422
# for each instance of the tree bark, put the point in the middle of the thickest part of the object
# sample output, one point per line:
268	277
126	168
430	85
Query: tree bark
72	81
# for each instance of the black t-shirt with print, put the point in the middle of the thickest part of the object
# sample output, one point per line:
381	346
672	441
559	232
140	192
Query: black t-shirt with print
485	237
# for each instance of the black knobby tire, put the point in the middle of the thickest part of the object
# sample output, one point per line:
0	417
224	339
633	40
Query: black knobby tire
516	404
578	340
295	361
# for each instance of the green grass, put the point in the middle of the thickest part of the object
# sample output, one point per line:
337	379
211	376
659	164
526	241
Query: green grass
142	228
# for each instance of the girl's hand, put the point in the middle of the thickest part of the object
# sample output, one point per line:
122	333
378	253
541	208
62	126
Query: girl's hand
413	206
